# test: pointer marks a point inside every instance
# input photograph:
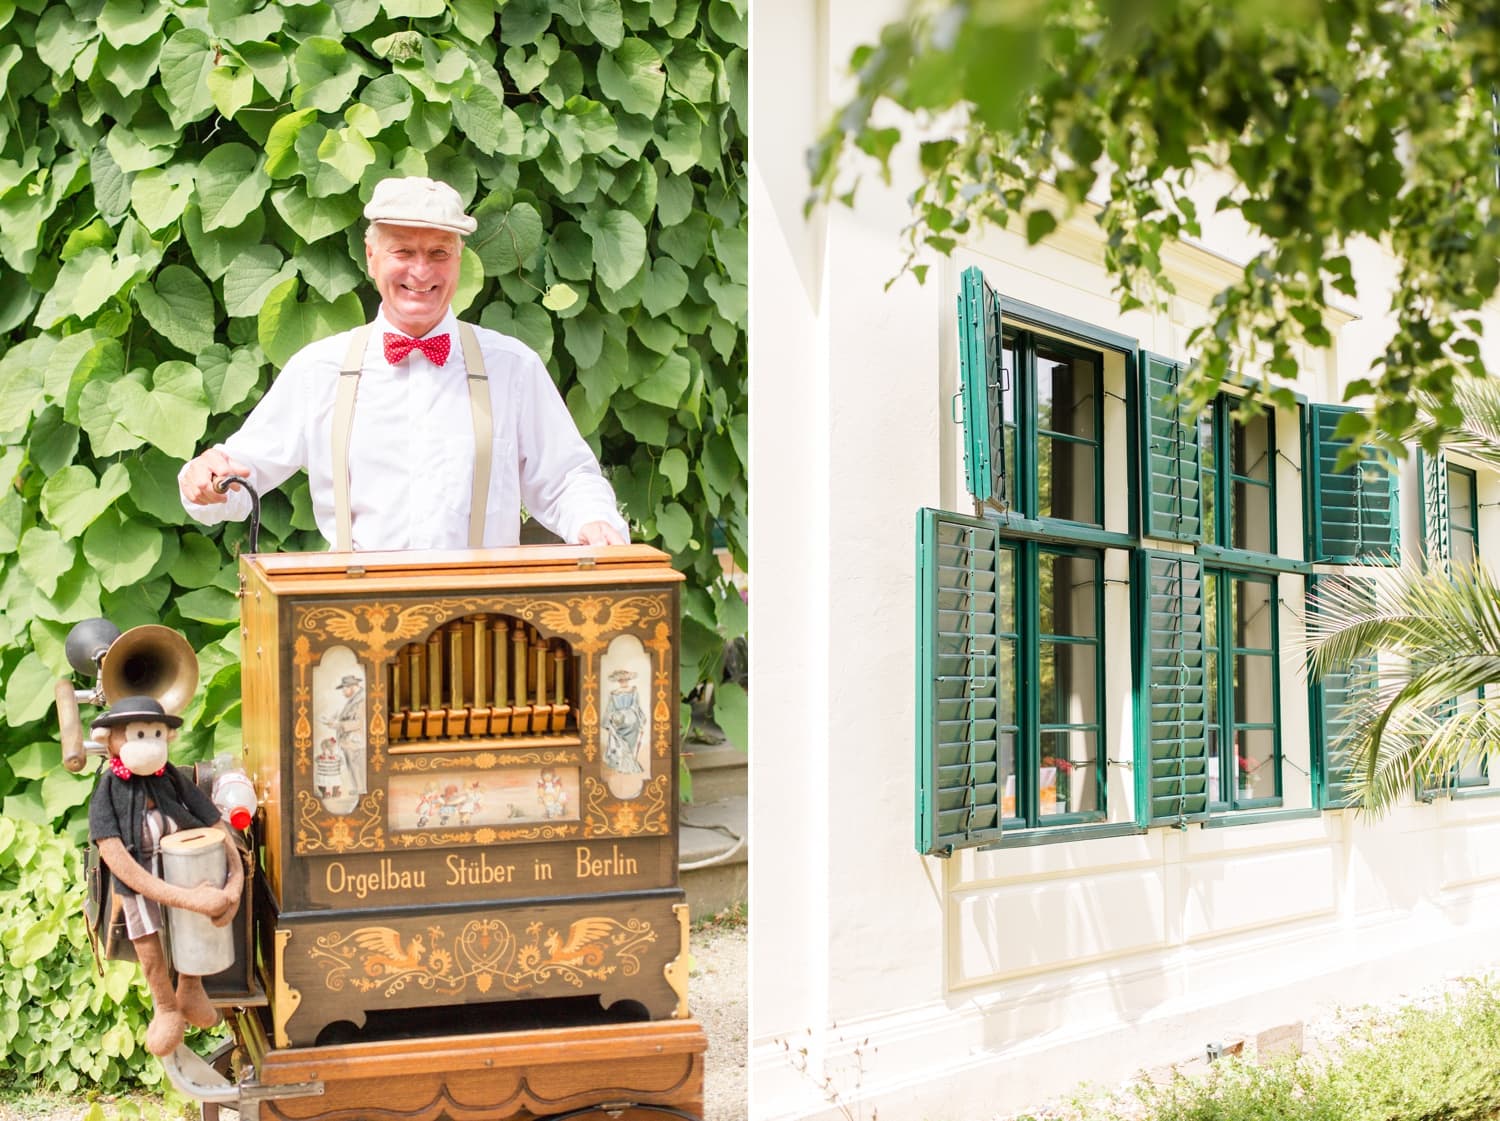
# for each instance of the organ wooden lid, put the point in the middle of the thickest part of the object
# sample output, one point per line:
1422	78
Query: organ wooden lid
402	567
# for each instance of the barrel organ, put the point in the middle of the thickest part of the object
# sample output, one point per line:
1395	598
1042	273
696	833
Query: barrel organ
468	765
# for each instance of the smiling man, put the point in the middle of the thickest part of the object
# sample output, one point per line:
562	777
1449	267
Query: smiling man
416	431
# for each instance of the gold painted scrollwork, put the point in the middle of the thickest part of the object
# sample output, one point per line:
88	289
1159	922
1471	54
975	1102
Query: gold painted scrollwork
322	832
483	836
485	952
645	815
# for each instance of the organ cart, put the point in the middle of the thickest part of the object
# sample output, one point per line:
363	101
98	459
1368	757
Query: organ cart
464	901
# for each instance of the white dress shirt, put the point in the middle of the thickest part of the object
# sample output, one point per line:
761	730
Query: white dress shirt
411	449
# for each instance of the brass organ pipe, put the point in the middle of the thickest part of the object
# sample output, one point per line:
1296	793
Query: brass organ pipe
435	668
398	697
541	671
415	660
480	657
502	675
456	665
558	659
520	664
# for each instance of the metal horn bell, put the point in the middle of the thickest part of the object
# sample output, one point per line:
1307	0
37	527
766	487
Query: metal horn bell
151	660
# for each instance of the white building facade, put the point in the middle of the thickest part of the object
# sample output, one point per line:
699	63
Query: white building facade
1041	792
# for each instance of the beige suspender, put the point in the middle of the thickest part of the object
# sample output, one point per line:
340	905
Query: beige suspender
343	423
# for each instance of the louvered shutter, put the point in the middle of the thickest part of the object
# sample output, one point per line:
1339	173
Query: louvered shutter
1340	696
1172	770
1173	487
958	761
1355	516
1437	527
980	381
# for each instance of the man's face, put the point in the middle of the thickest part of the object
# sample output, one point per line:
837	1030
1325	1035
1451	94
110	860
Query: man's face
416	272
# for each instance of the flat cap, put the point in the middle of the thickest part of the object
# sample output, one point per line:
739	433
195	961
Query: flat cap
418	201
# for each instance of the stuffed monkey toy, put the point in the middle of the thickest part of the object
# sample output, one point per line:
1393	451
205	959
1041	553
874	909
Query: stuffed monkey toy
138	783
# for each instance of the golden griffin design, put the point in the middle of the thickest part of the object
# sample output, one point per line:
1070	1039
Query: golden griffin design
485	953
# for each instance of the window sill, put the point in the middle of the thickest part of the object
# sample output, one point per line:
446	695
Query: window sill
1464	794
1059	833
1256	817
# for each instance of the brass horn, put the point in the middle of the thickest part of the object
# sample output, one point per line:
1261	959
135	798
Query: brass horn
150	661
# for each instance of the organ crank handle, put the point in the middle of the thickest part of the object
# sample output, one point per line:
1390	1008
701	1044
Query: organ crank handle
70	725
222	485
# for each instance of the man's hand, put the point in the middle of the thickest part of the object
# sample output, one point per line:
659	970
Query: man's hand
599	533
197	482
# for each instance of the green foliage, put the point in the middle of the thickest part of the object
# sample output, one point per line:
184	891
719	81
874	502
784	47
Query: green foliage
180	198
1332	125
1441	1061
1438	1059
61	1023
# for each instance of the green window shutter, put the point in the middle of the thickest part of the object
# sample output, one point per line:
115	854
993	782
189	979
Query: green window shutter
1437	534
1172	764
958	762
1339	696
1355	515
1172	498
980	382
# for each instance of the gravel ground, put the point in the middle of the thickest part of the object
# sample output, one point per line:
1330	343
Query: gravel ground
716	991
717	988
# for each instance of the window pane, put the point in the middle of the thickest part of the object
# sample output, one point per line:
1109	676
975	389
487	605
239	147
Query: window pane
1254	697
1256	763
1251	471
1065	393
1069	679
1067	594
1210	470
1463	538
1066	480
1008	769
1252	607
1010	371
1068	782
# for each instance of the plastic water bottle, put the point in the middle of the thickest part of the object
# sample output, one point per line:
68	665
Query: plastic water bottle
233	792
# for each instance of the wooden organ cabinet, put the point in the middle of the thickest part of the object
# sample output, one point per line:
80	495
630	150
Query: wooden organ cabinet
468	768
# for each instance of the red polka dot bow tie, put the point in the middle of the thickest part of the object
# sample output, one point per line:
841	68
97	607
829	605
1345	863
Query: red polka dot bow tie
398	347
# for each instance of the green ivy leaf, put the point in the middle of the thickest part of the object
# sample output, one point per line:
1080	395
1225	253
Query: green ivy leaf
281	143
125	23
286	324
209	605
313	219
153	486
171	414
675	526
232	183
559	297
44	556
28	692
257	273
159	195
229	377
509	240
604	21
632	75
186	62
326	74
231	88
121	551
619	242
215	253
99	414
732	713
666	286
72	499
179	305
673	467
